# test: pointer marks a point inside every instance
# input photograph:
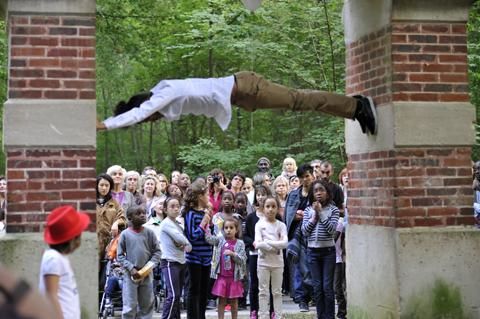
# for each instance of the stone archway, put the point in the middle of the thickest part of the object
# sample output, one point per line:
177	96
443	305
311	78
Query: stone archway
49	131
411	198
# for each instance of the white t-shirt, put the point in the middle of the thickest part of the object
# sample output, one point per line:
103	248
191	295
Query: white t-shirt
54	263
173	98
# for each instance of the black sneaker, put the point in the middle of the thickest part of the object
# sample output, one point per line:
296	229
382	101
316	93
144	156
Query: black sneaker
366	114
303	307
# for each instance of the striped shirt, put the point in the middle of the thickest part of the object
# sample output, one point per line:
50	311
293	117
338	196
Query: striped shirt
320	234
201	250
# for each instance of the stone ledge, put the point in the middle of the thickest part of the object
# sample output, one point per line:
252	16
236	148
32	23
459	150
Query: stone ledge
48	6
49	123
414	124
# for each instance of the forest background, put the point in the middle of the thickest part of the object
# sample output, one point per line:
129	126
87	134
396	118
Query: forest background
298	43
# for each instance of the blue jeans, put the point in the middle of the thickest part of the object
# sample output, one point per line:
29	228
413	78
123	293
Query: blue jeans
302	280
322	267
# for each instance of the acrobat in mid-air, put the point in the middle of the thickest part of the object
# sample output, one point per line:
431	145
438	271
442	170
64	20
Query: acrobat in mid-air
213	97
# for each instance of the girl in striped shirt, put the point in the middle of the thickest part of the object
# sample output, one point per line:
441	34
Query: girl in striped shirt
319	224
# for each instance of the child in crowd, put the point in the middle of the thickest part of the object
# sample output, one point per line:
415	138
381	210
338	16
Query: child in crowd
261	192
138	251
240	213
3	226
270	239
116	271
319	223
289	167
226	211
173	244
228	268
57	280
197	214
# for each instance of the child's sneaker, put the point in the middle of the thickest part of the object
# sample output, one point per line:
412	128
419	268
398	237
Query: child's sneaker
272	315
253	314
228	307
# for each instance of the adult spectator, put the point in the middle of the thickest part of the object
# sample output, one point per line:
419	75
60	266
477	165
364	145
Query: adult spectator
125	199
151	194
149	170
264	166
174	177
326	171
476	188
236	182
163	183
216	182
261	178
132	185
280	190
316	168
109	212
248	189
3	192
297	201
183	182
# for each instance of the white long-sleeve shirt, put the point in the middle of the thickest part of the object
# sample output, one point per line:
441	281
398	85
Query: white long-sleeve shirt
270	239
173	98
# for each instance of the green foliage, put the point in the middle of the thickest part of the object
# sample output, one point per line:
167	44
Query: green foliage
295	43
474	69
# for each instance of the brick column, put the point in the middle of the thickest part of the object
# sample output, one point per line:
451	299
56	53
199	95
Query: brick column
410	202
49	129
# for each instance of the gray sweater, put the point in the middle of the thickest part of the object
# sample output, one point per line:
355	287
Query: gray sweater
136	249
172	241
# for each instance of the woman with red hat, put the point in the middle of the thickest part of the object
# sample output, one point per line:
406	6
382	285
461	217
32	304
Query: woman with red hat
57	280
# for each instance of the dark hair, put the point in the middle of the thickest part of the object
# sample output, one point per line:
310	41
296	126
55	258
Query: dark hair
167	200
65	247
274	198
238	226
194	191
303	169
110	181
241	195
135	101
260	188
167	192
213	172
311	195
239	174
134	209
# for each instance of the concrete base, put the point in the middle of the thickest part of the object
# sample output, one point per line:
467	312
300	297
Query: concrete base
22	253
412	272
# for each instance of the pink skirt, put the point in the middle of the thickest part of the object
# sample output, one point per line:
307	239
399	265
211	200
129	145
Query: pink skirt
226	287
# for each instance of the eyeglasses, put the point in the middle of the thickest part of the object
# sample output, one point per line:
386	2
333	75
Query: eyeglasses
325	172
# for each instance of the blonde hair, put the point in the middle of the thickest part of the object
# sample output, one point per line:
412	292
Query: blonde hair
289	160
156	192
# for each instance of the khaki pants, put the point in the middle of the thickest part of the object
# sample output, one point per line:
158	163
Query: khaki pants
267	275
254	92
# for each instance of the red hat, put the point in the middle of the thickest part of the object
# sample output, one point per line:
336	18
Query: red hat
63	224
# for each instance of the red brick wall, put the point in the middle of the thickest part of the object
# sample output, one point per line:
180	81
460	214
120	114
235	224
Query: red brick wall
40	180
369	67
429	62
411	187
52	57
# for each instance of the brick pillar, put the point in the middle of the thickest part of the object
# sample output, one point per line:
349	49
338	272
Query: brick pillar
410	203
49	128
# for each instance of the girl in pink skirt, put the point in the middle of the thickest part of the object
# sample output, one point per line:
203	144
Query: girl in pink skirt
228	267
